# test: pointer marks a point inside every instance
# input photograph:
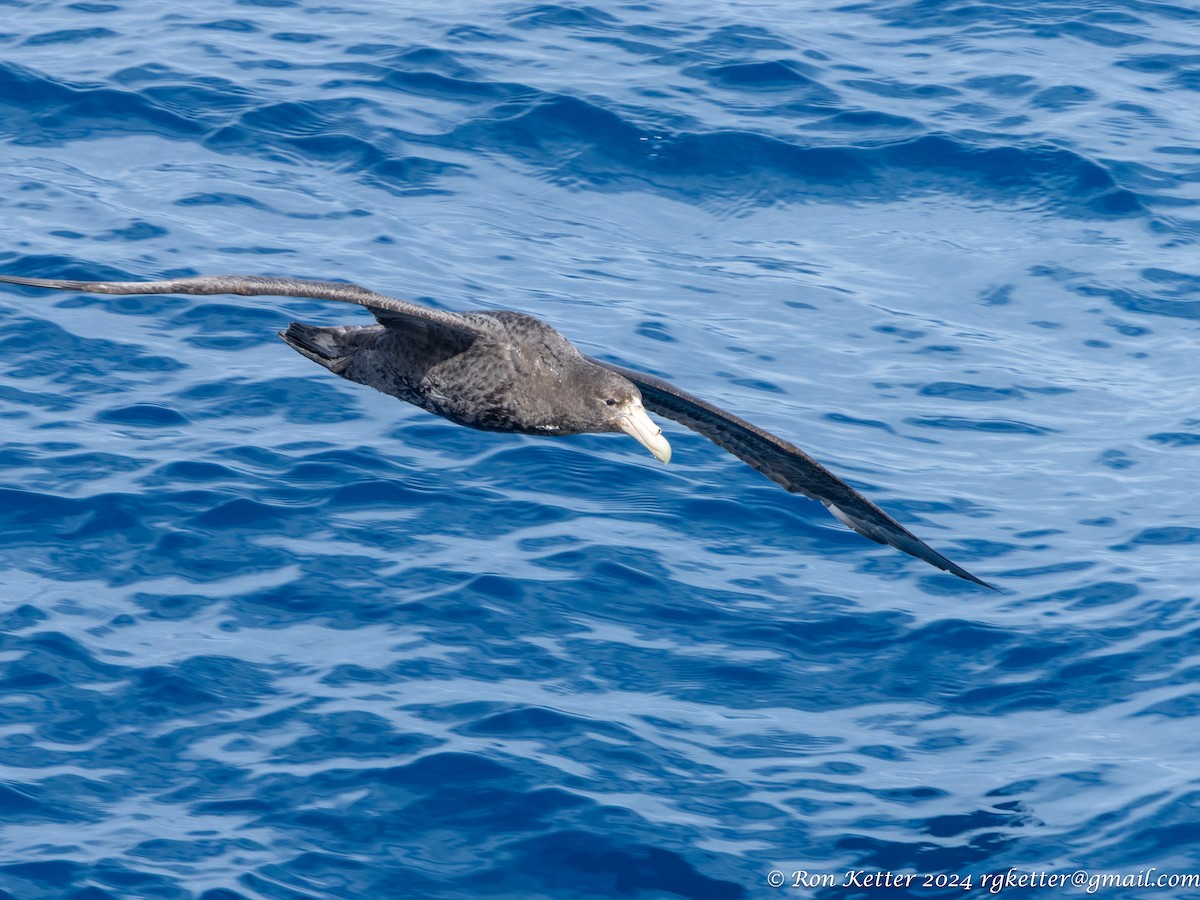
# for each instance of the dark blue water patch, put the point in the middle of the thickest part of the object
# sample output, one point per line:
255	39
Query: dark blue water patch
238	25
1154	304
290	119
240	513
590	863
1176	438
1069	19
187	94
454	791
295	37
1093	34
193	472
551	133
1184	707
551	15
473	34
353	735
42	112
343	478
319	593
911	661
1165	832
371	157
20	618
1160	63
450	510
442	76
299	401
229	326
1063	97
200	557
376	494
271	463
220	198
993	426
231	200
656	331
123	879
36	349
167	851
1163	536
198	684
1174	284
136	230
1080	185
774	75
29	512
125	537
1101	593
1002	85
1032	656
582	467
566	136
49	659
904	334
69	36
1117	460
614	757
171	607
864	123
737	39
1167	293
972	393
37	878
895	90
142	415
19	803
754	384
843	419
50	401
175	106
774	89
1077	679
1185	70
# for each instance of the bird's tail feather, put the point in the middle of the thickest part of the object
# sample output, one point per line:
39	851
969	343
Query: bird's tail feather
322	345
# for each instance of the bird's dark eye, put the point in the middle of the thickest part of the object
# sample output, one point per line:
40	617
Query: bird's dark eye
610	402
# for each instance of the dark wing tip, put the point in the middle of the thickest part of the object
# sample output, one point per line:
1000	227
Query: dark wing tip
786	465
931	556
883	529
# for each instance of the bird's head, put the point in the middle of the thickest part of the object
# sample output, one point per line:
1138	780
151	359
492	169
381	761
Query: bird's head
615	404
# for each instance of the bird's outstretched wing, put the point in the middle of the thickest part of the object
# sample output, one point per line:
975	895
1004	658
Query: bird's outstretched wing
387	310
785	464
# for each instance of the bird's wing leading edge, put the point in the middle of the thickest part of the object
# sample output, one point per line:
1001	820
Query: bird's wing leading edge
786	465
386	309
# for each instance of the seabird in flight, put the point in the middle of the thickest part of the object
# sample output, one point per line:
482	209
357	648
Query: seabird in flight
508	371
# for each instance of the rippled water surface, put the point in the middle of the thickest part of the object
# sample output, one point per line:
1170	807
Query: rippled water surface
269	634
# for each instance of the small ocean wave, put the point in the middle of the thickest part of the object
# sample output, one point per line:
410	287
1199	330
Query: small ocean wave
44	111
580	143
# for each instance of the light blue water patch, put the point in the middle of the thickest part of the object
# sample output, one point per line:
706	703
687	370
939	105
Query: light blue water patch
267	634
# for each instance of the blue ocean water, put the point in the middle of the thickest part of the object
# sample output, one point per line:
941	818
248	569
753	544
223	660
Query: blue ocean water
268	634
